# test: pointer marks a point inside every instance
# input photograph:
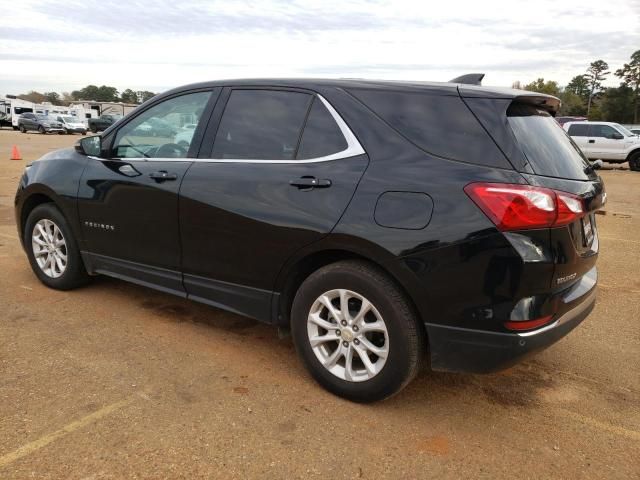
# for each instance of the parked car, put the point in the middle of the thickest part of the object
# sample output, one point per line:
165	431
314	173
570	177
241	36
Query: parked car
606	141
72	124
635	131
102	122
40	123
380	221
155	127
184	136
563	120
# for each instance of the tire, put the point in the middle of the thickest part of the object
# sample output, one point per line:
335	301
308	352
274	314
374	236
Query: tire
93	129
74	274
84	133
404	338
634	162
42	130
22	129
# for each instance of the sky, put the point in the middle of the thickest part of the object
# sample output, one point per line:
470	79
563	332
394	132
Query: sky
160	44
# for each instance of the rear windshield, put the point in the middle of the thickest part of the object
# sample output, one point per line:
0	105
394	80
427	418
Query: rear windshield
548	149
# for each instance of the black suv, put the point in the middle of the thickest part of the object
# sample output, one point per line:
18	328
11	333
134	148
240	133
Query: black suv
384	223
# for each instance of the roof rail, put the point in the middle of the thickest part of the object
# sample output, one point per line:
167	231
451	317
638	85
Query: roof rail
469	79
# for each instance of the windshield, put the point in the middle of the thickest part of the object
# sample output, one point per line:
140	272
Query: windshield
71	119
547	147
623	130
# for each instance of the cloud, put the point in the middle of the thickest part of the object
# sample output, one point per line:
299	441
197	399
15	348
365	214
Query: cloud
64	45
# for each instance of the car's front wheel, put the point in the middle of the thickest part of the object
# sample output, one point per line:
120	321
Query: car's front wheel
52	250
23	129
42	130
356	332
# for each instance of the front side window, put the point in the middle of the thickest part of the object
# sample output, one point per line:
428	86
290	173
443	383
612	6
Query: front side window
162	131
602	131
261	125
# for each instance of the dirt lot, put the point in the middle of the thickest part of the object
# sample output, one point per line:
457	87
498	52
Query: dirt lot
115	381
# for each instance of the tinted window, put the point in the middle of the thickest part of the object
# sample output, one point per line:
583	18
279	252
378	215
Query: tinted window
261	124
546	146
162	131
321	136
441	125
579	130
604	131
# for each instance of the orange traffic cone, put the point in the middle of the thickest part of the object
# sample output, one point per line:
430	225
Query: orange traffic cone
15	153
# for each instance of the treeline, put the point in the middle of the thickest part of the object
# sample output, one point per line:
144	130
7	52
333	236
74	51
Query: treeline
585	95
90	92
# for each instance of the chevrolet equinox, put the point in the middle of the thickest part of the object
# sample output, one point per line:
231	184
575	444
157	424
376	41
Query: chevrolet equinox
384	223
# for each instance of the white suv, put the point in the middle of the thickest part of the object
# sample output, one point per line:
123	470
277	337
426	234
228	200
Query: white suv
606	141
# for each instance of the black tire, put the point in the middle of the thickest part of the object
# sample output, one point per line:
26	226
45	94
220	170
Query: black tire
84	133
405	335
93	129
42	130
22	129
74	275
634	162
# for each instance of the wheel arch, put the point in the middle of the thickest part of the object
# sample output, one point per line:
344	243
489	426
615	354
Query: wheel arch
32	199
633	152
304	265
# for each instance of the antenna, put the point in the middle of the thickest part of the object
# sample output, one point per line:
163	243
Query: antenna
469	79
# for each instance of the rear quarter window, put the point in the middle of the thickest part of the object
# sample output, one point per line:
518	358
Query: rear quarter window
438	124
579	130
548	149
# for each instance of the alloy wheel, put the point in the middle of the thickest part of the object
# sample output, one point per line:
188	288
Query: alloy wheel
348	335
49	248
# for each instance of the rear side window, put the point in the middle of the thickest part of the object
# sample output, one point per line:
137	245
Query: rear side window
579	130
441	125
261	125
321	136
546	146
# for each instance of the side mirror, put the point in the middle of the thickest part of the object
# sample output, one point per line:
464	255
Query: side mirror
617	136
89	146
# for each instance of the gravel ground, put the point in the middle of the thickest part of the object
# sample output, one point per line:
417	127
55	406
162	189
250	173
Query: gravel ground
115	380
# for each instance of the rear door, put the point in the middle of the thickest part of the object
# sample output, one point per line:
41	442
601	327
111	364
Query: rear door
579	132
280	169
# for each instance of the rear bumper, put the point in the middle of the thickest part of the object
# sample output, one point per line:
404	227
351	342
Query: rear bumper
476	351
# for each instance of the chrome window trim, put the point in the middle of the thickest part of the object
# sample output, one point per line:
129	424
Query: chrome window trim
353	148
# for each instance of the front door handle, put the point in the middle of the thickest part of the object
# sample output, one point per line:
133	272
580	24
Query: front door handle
310	182
163	176
592	141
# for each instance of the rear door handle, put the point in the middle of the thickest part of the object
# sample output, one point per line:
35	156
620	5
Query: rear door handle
310	182
163	176
592	141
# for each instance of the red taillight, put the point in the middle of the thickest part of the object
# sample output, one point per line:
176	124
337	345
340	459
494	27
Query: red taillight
528	324
521	207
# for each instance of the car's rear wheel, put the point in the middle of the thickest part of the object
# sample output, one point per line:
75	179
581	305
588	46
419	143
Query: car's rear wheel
23	129
356	332
52	249
42	130
634	162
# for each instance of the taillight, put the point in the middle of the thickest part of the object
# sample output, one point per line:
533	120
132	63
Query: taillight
521	207
528	324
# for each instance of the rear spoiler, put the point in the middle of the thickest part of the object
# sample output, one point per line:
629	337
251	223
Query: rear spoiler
469	79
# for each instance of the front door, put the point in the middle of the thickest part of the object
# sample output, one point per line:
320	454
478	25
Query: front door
281	172
604	144
128	202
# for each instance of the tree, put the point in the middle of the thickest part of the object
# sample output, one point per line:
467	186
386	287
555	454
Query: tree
549	87
98	94
617	104
572	104
144	95
129	96
596	73
630	75
579	85
33	96
53	98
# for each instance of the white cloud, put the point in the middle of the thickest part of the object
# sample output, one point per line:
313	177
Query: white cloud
64	45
